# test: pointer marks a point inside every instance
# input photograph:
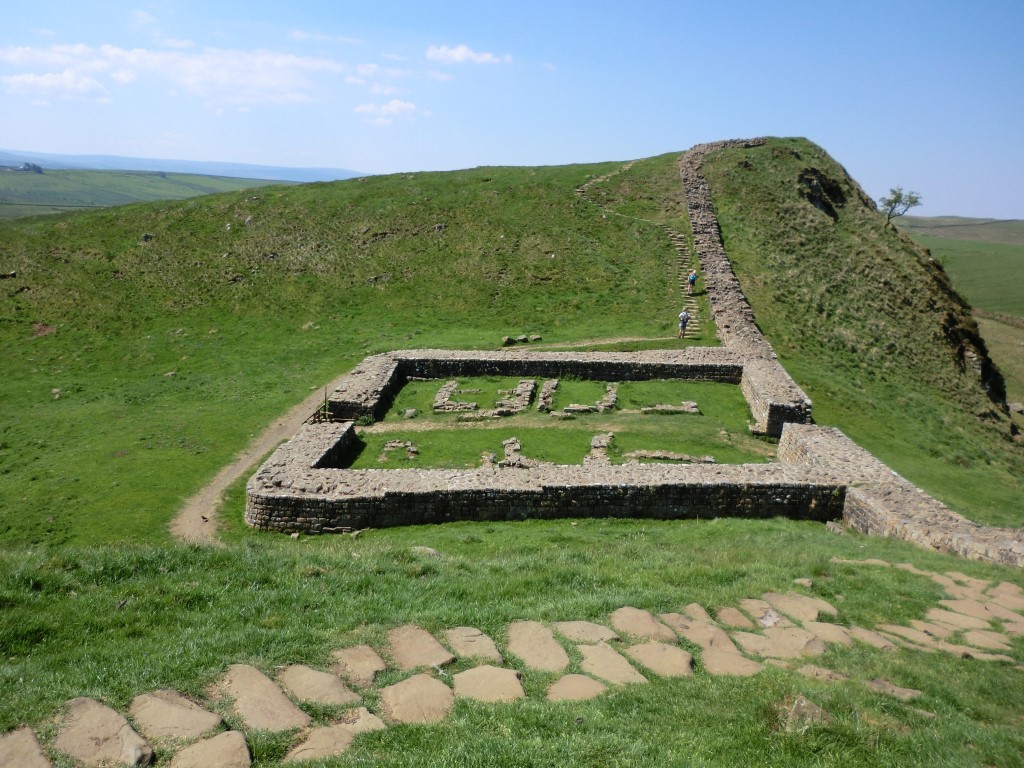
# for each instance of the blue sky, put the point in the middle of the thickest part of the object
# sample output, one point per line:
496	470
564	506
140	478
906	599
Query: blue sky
925	95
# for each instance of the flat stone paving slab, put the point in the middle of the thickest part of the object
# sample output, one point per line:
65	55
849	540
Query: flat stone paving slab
884	686
871	638
358	664
166	714
800	607
829	633
308	684
470	642
993	641
420	699
20	749
602	661
696	612
662	659
955	620
730	663
708	636
639	623
225	750
489	684
334	739
733	617
535	644
575	688
781	643
585	631
935	629
97	735
413	647
764	614
261	704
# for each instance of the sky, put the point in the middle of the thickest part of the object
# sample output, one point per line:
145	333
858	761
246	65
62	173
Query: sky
927	96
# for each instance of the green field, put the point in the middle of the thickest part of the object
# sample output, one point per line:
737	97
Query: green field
23	193
136	367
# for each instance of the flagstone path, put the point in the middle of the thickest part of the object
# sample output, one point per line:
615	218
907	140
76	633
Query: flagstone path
976	621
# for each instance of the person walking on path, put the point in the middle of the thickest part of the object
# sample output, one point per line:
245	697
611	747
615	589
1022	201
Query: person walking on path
684	318
691	280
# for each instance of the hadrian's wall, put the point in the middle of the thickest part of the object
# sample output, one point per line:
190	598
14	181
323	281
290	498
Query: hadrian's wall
821	474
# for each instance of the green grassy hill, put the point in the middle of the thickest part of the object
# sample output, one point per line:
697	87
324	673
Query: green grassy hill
144	346
23	193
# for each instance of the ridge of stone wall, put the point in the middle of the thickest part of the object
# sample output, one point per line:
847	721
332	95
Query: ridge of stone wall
880	502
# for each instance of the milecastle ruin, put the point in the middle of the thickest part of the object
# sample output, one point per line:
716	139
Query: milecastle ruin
820	474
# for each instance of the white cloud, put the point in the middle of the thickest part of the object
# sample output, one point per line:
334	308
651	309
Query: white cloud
385	114
440	76
462	54
231	76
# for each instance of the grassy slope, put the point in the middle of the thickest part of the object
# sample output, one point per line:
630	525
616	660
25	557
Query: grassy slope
31	194
249	318
861	316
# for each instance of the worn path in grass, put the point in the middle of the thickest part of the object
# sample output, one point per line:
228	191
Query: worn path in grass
196	522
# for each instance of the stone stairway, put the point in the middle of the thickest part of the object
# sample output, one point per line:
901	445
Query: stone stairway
632	647
686	263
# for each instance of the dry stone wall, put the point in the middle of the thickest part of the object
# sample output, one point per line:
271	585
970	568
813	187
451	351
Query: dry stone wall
821	474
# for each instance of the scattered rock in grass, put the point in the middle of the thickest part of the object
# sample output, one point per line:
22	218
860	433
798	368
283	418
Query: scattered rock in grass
799	713
410	413
836	526
225	750
806	583
821	673
878	685
428	551
96	735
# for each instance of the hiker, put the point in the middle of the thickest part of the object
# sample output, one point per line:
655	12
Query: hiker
691	280
684	318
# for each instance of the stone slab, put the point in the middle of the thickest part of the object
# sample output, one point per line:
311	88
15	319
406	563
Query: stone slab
470	642
871	638
489	684
535	644
225	750
734	618
764	614
800	607
884	686
97	735
332	740
992	641
662	659
821	673
575	688
20	749
697	612
166	714
710	637
261	704
781	643
936	630
602	661
413	647
308	684
420	699
358	664
640	623
955	620
730	663
830	633
585	631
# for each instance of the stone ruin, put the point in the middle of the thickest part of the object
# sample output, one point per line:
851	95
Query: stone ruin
820	473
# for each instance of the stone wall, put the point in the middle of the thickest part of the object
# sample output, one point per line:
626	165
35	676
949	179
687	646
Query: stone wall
882	503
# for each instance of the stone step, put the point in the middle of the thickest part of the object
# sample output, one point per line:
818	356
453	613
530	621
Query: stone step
259	702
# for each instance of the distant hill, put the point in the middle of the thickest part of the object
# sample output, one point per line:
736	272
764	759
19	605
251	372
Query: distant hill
14	157
1010	231
28	193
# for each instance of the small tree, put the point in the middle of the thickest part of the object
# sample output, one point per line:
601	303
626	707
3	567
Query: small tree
898	202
